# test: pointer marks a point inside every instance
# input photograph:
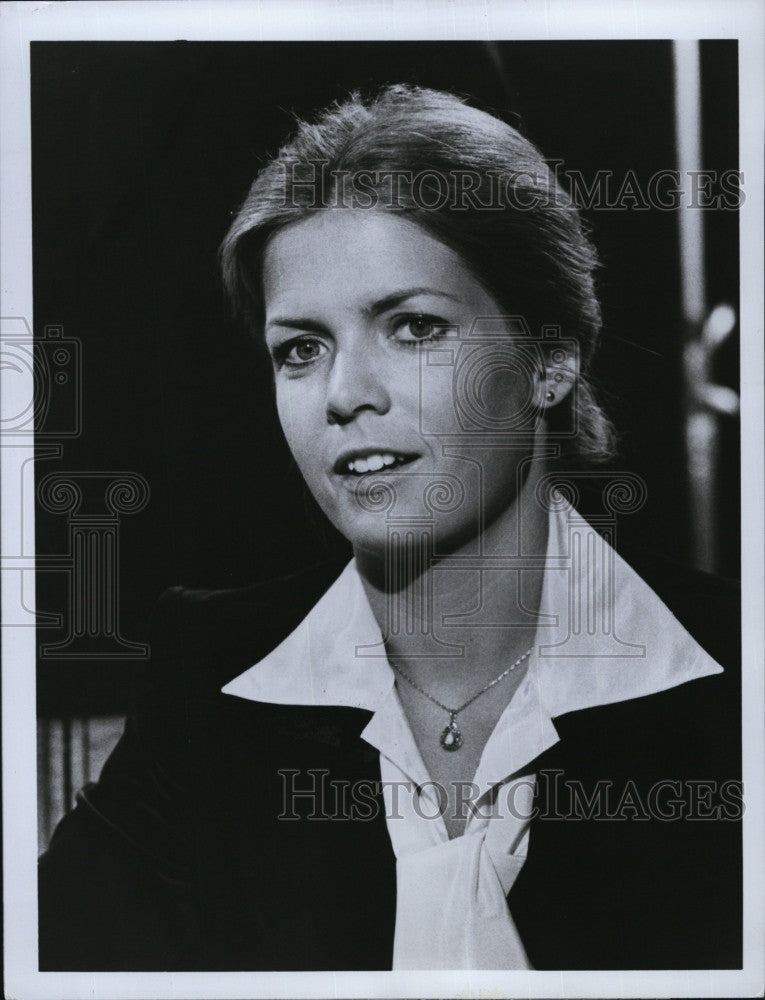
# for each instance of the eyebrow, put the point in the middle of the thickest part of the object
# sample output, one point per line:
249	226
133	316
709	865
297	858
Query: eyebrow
375	309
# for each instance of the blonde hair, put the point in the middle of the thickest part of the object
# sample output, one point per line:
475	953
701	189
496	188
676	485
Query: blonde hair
515	228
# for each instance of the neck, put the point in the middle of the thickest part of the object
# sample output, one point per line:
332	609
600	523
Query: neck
461	616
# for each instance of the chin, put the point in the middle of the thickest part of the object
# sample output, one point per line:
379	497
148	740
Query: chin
386	518
368	535
422	542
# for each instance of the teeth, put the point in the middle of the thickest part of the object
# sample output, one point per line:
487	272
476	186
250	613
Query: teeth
373	463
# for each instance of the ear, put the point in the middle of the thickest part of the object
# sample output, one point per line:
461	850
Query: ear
557	377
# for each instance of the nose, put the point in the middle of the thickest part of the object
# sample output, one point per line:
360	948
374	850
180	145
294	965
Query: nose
356	384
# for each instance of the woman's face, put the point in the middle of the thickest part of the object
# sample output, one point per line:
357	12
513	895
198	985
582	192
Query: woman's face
365	313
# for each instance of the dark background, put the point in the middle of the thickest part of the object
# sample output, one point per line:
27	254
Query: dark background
141	151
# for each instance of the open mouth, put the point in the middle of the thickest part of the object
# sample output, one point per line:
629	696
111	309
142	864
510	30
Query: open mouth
360	463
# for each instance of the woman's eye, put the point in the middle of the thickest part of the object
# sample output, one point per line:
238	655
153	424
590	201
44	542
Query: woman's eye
420	328
297	353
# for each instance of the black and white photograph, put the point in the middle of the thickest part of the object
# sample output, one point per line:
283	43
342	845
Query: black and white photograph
382	499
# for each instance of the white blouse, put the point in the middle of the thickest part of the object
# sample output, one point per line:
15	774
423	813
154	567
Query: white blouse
603	636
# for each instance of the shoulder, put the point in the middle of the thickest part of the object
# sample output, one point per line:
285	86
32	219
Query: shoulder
275	595
691	729
693	726
227	630
706	605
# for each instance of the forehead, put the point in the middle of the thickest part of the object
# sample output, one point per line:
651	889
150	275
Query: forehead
357	254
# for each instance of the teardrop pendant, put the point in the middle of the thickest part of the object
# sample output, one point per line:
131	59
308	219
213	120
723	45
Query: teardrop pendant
451	737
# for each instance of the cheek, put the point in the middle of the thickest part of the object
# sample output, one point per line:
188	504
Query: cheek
481	391
505	395
495	389
438	401
297	418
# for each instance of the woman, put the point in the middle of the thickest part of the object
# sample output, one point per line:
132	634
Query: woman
488	743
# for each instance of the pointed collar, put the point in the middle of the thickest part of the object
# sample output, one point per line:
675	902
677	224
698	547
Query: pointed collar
603	636
317	664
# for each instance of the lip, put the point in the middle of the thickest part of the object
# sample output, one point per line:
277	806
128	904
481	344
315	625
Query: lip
340	466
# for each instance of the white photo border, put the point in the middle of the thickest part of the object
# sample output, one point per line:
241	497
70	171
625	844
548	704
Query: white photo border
386	20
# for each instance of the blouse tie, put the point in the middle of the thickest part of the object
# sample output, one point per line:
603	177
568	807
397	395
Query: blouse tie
452	910
451	897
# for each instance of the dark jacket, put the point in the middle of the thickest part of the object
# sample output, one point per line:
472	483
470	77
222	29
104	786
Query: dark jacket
180	857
